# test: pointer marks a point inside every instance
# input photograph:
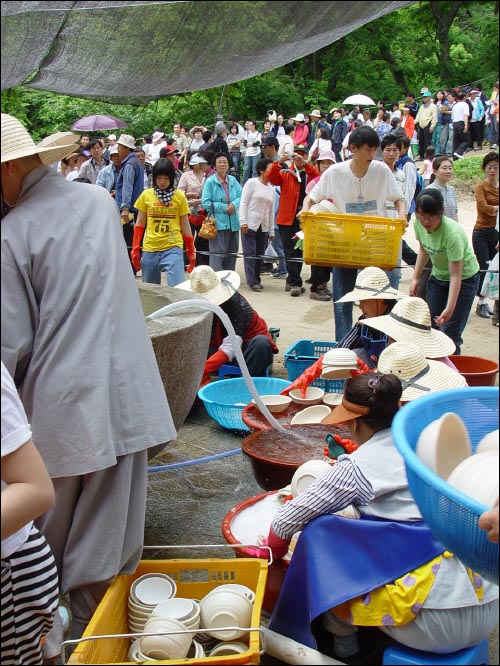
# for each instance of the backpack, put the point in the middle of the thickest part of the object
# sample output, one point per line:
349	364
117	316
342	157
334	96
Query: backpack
419	185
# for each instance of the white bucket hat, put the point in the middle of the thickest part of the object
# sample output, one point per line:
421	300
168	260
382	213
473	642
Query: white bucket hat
337	363
216	287
410	320
157	136
197	159
371	283
299	117
315	114
127	141
16	143
418	375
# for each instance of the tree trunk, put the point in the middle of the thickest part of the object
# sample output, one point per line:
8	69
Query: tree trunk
337	50
444	13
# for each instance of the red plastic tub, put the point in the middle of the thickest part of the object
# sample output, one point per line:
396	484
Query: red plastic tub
277	570
477	371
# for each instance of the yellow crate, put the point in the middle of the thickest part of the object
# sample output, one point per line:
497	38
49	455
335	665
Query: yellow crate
194	579
349	241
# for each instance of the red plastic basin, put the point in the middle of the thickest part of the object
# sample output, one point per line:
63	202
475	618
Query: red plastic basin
477	371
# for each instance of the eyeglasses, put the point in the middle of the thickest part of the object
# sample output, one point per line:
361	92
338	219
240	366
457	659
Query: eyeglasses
491	167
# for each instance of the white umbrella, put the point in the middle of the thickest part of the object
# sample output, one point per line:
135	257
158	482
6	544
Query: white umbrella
358	99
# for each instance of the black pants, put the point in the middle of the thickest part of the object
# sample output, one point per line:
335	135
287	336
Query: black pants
460	138
484	242
424	139
319	275
476	133
293	257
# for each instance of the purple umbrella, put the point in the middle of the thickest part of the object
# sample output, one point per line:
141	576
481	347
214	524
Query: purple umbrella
97	123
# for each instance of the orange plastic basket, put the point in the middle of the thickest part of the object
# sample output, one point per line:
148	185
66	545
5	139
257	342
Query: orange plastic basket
194	579
349	241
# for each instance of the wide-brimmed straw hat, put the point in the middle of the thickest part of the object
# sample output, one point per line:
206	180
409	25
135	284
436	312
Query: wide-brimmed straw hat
216	287
17	143
418	375
371	283
410	321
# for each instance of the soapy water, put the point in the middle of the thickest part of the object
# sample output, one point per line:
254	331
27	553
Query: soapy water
207	305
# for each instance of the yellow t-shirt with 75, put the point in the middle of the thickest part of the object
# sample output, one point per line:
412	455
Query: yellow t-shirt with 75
163	225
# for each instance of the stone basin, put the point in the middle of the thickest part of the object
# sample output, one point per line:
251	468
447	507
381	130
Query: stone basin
180	342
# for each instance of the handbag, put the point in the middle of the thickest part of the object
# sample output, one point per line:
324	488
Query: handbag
208	229
315	153
197	219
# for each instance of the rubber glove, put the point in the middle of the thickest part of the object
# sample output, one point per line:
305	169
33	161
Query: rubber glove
348	445
135	252
309	375
190	253
362	368
227	346
278	546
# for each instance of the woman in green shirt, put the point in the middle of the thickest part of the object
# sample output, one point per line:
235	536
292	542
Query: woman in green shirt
455	271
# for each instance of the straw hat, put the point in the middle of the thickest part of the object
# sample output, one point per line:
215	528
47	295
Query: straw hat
17	143
216	287
418	375
371	283
410	320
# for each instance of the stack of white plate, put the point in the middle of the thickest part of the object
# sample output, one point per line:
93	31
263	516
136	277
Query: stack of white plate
146	593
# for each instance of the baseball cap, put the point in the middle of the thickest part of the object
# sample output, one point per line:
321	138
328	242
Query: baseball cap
426	93
301	148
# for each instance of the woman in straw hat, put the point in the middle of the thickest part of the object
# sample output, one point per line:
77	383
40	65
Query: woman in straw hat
376	297
252	333
386	576
83	364
410	321
455	271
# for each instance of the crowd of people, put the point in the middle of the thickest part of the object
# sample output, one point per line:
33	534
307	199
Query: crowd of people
67	342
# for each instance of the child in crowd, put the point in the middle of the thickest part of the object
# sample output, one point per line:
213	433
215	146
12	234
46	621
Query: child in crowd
29	575
426	168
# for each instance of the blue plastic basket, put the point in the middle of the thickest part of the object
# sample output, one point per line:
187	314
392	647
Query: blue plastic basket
302	354
451	515
224	400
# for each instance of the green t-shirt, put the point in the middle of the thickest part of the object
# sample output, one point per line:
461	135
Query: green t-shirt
448	243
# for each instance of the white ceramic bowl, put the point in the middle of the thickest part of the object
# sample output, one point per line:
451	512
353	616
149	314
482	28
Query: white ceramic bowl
239	589
489	442
306	474
171	646
477	477
135	654
233	647
196	651
443	444
140	611
275	403
310	415
225	608
178	608
314	395
151	589
332	399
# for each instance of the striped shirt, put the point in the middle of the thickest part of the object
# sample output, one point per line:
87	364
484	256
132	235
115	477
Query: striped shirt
449	198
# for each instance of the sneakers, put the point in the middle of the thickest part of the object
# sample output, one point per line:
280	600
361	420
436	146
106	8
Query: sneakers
494	146
320	295
457	156
279	274
256	287
296	291
482	310
324	287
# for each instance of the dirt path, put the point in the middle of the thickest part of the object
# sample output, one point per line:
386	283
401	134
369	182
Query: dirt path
301	318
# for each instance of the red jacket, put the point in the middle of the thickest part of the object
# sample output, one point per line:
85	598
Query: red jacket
290	190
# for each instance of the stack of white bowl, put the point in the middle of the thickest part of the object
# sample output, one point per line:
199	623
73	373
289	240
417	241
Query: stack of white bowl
146	593
228	605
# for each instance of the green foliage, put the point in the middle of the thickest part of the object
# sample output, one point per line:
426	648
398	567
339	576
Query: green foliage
468	171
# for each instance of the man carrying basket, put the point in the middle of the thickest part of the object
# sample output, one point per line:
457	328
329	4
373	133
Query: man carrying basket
361	186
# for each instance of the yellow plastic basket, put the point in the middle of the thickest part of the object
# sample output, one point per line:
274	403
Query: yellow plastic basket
194	579
349	241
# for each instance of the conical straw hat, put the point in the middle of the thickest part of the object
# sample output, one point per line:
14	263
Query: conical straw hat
371	282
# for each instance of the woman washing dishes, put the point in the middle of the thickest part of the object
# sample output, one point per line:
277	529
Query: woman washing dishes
405	587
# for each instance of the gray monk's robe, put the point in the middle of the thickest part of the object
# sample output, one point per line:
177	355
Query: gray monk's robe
73	331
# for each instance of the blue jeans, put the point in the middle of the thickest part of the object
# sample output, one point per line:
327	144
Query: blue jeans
236	160
278	248
249	170
446	139
344	280
437	297
223	250
436	139
170	261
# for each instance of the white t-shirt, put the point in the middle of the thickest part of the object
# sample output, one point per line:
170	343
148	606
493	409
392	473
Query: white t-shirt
358	196
15	432
458	112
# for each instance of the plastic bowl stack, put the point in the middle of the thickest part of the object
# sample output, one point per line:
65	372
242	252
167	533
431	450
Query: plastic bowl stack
146	593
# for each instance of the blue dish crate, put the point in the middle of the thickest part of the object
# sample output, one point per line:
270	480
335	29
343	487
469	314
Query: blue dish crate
451	515
225	399
302	354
